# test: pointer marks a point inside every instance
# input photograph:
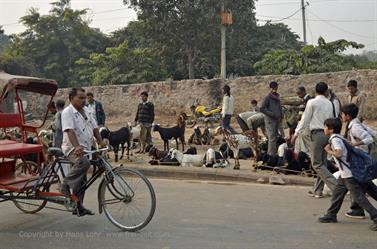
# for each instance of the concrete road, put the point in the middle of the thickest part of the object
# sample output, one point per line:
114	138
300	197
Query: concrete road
193	214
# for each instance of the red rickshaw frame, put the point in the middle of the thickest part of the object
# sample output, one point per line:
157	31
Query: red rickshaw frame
11	150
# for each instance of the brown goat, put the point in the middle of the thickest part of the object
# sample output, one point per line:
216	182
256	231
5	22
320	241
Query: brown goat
142	138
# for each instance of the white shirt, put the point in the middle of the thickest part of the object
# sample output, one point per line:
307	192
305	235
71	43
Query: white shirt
359	132
227	108
83	128
92	110
337	143
316	112
245	115
336	103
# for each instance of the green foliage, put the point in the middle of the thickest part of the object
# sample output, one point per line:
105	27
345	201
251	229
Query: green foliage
122	65
325	57
52	43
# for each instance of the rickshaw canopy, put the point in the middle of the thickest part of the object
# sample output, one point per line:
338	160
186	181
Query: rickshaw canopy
26	83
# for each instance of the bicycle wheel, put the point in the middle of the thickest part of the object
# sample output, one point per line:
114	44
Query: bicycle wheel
128	199
29	206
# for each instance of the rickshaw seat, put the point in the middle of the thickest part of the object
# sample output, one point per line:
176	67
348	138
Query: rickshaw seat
54	151
7	141
15	149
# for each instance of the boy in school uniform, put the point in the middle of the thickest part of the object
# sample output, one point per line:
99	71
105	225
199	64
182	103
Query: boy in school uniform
360	136
337	149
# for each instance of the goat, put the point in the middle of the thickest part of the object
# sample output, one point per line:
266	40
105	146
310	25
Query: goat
157	154
186	159
214	159
248	139
170	133
207	136
181	122
116	138
196	137
191	151
139	133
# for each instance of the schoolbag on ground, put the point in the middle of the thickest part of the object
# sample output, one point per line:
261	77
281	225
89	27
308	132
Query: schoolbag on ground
361	164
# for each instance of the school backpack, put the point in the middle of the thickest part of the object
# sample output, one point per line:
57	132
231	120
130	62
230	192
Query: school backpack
361	164
373	146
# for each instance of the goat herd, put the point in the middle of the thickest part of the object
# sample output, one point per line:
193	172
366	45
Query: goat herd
248	145
238	146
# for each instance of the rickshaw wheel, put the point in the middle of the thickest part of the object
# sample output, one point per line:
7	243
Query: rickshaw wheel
29	206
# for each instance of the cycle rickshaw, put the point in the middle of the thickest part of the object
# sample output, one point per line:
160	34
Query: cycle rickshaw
125	196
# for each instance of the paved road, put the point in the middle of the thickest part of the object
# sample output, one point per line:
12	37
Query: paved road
193	214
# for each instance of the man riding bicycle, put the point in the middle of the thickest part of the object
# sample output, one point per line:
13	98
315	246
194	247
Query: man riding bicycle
79	128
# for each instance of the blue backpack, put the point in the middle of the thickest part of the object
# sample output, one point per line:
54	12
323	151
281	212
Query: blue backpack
361	164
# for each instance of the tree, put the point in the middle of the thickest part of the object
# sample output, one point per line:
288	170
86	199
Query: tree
55	41
325	57
122	65
187	35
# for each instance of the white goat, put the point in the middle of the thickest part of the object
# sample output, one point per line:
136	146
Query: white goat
215	159
185	159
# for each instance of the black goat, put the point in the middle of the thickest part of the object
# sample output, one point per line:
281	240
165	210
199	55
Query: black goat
157	154
116	138
191	151
175	132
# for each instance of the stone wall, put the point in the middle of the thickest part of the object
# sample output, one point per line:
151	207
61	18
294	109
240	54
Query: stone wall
171	97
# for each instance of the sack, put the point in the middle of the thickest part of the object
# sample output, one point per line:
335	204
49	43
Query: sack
361	164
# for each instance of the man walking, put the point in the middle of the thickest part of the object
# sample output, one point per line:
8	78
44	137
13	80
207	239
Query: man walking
79	128
95	109
273	115
145	115
316	112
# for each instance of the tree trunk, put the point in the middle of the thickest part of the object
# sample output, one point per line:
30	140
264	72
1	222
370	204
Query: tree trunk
190	58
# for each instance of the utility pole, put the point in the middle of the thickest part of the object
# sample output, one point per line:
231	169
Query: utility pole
223	48
303	20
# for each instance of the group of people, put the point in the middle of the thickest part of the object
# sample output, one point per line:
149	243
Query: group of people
74	129
318	135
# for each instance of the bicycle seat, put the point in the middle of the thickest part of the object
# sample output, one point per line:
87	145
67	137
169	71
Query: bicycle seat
54	151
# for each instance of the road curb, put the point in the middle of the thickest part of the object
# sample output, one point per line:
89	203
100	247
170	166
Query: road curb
220	175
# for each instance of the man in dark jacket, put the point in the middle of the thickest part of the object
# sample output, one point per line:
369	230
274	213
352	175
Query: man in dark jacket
145	115
271	108
95	109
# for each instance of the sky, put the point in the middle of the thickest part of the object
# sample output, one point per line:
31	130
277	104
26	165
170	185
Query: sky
354	20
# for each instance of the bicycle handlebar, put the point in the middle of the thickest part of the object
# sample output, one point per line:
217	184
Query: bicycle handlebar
89	152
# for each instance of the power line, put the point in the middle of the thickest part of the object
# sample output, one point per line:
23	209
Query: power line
327	20
114	18
287	17
341	29
108	11
310	31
